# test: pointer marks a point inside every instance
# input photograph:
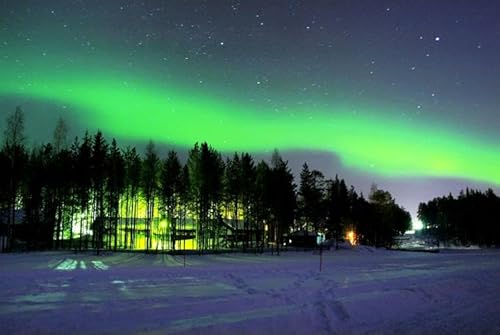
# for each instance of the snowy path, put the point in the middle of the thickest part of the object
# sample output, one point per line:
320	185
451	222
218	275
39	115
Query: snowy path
357	292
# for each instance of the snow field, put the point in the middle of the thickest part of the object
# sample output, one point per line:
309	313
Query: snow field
359	291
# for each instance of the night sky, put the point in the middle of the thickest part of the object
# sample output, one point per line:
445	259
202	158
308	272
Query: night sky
404	94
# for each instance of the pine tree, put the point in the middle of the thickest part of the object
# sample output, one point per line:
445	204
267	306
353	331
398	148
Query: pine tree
337	208
133	173
311	198
233	190
60	136
115	185
15	162
83	184
261	201
247	186
170	189
98	177
150	173
283	198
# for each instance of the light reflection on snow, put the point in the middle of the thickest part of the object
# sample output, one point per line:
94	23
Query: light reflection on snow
44	297
72	264
67	265
100	265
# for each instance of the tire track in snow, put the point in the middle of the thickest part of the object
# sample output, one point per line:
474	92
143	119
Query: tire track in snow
241	284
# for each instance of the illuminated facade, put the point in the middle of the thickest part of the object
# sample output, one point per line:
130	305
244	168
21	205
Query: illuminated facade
134	232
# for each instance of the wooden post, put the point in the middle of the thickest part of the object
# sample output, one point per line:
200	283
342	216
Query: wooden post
320	257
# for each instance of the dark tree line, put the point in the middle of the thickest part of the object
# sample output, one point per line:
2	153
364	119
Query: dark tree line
91	194
471	218
330	206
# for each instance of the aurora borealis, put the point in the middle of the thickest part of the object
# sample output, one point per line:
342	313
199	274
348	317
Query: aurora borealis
393	89
378	145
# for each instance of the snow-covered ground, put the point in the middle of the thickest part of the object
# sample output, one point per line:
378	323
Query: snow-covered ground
360	290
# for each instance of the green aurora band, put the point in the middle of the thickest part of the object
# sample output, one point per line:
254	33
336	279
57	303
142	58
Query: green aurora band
138	108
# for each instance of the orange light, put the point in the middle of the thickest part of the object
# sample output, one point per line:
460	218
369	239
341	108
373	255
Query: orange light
351	237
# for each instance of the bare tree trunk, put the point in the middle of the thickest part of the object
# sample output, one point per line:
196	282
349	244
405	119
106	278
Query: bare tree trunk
58	226
72	213
12	223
